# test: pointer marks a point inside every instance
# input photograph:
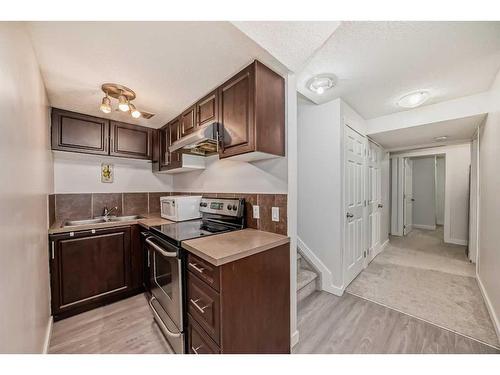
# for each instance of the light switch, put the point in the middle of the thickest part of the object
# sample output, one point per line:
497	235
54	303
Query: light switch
275	213
256	212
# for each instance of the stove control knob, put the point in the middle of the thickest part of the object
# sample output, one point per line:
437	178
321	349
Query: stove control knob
229	207
234	207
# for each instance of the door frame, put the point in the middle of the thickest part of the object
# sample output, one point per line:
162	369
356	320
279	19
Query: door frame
406	162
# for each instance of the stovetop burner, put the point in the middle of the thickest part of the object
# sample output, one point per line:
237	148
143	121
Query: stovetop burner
230	217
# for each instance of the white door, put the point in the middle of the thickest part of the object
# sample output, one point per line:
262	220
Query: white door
408	196
354	203
374	198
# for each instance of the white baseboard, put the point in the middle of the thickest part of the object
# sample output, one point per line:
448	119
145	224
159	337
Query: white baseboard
426	227
457	242
294	339
48	335
324	273
494	318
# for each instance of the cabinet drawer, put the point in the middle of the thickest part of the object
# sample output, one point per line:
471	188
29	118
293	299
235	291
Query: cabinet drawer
199	342
204	270
204	306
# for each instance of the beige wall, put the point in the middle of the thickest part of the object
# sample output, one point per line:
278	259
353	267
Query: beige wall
489	211
25	179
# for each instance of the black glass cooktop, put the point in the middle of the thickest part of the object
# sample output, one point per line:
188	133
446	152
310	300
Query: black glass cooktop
185	230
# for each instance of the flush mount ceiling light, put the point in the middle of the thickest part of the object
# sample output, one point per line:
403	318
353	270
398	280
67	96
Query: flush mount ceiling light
124	95
414	99
321	83
441	138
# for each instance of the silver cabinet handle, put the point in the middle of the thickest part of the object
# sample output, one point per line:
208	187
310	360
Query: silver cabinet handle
195	266
149	259
195	350
163	252
53	252
200	309
160	322
349	215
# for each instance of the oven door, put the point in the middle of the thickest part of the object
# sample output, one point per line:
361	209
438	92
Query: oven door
168	209
166	290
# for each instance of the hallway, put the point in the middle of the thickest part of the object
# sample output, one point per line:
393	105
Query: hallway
424	277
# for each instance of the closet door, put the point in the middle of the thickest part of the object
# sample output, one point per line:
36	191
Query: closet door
355	228
374	198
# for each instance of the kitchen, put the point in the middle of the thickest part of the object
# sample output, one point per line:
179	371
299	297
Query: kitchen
106	247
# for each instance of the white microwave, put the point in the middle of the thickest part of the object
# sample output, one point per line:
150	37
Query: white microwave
180	207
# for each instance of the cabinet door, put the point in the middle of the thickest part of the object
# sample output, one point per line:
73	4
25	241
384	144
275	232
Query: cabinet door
174	158
164	138
79	133
207	109
130	141
188	121
236	113
89	269
199	342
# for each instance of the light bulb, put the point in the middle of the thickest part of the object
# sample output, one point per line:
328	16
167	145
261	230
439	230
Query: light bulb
123	104
134	112
105	105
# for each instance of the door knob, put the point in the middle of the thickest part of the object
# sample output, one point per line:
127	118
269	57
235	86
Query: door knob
380	205
413	199
349	215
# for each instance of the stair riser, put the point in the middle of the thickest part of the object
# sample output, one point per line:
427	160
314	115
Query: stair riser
307	290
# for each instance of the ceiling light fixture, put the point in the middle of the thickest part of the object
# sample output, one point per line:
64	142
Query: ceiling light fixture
414	99
133	111
320	83
124	95
106	104
441	138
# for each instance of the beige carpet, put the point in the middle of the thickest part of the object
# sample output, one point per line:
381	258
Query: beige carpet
422	276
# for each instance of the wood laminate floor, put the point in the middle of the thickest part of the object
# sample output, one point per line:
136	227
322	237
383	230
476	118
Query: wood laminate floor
349	324
124	327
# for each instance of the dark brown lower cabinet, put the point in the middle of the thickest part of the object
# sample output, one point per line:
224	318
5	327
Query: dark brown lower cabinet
241	306
91	268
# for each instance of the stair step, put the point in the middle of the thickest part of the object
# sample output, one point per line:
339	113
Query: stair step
304	277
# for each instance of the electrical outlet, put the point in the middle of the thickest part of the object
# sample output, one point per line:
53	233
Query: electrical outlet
275	214
256	212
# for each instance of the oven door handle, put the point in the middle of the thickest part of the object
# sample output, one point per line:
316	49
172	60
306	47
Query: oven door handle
158	319
160	250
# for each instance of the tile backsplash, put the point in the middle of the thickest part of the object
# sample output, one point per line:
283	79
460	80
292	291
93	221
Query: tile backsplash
88	205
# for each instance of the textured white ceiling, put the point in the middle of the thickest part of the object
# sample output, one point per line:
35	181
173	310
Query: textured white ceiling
291	42
377	62
423	135
168	64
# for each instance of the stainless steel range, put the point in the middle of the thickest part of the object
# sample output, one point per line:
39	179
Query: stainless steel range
166	261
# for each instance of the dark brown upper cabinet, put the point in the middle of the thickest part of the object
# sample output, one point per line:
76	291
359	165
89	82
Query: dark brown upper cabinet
168	135
79	133
188	121
252	113
130	141
207	109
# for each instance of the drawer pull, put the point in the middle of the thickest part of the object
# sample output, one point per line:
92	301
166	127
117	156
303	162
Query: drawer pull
195	266
195	303
195	350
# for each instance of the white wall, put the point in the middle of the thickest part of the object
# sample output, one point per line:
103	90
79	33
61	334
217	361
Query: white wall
424	192
228	176
26	179
488	266
456	224
440	189
320	188
81	173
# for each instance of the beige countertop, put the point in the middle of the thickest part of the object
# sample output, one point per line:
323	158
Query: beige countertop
147	221
227	247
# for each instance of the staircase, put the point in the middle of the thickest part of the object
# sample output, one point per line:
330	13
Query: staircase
307	278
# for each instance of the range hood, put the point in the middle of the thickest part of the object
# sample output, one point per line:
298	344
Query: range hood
202	142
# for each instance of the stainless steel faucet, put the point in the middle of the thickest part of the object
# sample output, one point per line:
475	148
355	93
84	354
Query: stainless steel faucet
106	212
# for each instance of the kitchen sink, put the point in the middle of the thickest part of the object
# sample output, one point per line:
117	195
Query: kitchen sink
101	219
71	223
125	218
